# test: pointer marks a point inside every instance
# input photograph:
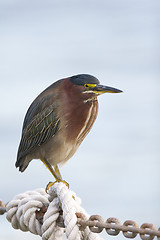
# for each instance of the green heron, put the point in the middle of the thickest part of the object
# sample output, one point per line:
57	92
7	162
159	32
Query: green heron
58	120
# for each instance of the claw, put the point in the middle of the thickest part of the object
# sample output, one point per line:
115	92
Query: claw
49	185
52	183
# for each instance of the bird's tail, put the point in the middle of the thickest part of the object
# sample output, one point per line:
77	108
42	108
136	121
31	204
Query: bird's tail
21	163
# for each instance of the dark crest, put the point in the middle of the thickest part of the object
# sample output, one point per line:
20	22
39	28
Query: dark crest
81	79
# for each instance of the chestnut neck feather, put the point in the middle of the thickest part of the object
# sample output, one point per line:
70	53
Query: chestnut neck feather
79	115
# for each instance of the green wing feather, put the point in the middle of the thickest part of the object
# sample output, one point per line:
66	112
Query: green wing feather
40	129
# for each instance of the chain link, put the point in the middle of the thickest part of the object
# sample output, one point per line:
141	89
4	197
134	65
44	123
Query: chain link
113	227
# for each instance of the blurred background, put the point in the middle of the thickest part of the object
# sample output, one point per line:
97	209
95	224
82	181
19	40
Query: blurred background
118	163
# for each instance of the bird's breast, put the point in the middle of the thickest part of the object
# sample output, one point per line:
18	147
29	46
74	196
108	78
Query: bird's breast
79	121
88	122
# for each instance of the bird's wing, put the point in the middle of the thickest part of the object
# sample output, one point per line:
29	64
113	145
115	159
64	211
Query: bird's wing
40	129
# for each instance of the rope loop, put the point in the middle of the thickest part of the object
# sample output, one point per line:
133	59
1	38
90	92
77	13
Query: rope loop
21	211
40	213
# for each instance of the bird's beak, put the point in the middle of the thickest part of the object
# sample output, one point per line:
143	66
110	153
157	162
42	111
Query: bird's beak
100	89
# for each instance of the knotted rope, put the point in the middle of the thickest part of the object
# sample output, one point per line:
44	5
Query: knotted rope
24	213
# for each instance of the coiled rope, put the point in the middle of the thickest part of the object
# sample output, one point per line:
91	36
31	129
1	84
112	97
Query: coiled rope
51	215
24	213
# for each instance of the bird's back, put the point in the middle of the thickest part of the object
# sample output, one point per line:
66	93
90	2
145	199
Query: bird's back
41	122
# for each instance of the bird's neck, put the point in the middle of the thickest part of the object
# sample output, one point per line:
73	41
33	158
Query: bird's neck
79	114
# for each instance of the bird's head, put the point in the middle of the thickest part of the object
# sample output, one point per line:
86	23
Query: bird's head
90	86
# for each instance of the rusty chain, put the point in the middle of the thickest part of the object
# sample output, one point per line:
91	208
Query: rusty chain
130	229
113	227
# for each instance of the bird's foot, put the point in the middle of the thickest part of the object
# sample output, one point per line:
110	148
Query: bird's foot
52	183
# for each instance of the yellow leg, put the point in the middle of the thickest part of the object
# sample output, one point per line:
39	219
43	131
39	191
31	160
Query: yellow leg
54	173
56	168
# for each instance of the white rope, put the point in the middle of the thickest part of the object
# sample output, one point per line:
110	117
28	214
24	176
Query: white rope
21	212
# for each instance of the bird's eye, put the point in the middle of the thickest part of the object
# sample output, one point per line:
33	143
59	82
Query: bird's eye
89	86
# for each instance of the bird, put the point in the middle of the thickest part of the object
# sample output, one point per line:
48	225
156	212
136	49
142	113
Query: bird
58	120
